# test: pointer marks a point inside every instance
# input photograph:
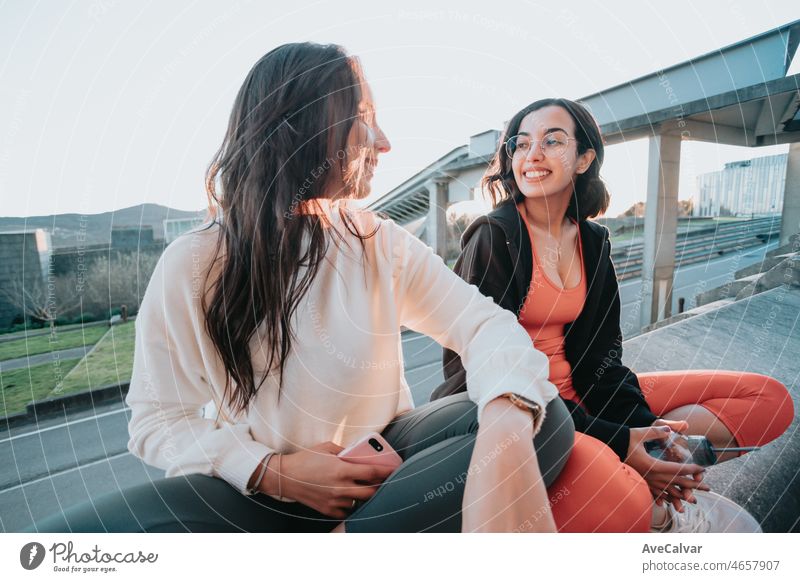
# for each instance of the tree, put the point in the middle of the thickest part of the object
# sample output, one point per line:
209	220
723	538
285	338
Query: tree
105	285
459	216
44	302
110	283
637	211
685	207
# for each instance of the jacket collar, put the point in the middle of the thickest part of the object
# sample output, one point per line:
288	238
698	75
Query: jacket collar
593	238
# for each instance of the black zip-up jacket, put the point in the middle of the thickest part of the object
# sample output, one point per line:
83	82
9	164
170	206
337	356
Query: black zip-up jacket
496	257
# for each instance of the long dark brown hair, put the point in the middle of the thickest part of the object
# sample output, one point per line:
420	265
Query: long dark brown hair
589	196
286	144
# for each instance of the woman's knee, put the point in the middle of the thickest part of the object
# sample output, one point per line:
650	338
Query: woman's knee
775	404
423	494
431	423
178	504
599	492
124	511
456	415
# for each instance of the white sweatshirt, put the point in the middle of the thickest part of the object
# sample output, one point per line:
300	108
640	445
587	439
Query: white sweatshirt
344	375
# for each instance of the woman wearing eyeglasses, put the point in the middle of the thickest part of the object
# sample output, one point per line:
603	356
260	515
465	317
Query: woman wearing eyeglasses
537	255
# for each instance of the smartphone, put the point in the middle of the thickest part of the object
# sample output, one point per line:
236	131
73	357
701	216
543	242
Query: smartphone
681	448
372	449
697	449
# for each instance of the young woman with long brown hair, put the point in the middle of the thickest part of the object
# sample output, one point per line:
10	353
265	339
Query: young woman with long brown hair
539	256
285	313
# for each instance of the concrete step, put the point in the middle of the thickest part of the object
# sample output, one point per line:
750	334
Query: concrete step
689	313
762	267
785	273
792	246
755	335
730	289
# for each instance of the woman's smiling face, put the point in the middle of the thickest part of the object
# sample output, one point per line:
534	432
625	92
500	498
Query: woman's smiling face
538	175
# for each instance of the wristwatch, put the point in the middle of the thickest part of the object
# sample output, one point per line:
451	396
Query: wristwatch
525	404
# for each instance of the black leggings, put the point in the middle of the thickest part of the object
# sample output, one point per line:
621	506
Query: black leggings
425	493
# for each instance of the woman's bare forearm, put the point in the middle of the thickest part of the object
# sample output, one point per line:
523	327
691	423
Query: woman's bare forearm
504	491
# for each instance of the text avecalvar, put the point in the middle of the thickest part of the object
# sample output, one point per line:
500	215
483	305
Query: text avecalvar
671	549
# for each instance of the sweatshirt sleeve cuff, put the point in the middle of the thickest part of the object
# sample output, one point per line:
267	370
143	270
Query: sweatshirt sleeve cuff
240	462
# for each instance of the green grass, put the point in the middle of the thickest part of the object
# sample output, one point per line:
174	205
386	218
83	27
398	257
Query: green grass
110	362
42	344
25	385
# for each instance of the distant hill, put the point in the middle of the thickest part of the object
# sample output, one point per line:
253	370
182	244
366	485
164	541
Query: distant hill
64	228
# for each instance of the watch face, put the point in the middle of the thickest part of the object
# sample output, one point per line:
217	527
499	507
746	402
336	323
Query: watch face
525	402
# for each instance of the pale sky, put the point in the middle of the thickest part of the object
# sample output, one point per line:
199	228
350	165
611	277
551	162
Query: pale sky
106	104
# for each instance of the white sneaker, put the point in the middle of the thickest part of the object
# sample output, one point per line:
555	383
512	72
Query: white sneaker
712	513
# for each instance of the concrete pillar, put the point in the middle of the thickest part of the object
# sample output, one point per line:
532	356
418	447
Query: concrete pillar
660	227
790	216
438	191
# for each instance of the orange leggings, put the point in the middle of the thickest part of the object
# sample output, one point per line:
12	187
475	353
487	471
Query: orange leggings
597	492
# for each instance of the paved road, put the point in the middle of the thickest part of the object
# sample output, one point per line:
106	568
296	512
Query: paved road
46	358
84	455
17	335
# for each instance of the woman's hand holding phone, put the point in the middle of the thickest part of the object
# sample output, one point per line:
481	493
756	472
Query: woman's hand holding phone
372	449
666	480
318	478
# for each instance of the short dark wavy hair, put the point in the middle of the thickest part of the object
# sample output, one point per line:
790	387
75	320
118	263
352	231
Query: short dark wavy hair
590	196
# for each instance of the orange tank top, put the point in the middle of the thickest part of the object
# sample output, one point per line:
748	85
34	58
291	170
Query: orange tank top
545	312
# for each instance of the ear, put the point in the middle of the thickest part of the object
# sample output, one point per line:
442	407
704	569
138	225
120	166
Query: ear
585	160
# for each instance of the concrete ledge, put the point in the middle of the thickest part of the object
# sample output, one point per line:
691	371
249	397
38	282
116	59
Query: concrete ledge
765	265
758	334
687	314
729	289
73	402
787	272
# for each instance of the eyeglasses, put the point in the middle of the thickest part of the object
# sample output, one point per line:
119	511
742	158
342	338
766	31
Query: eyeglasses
553	144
